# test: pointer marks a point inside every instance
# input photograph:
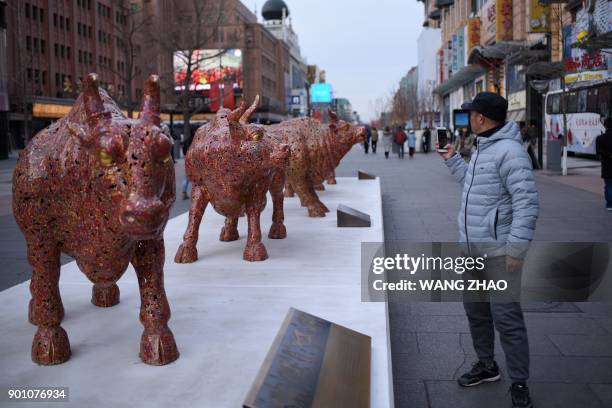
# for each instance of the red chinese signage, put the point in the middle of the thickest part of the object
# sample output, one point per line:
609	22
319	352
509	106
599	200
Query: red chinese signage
503	20
585	62
473	32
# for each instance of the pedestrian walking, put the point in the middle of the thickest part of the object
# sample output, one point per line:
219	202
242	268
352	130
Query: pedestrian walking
186	145
400	139
366	142
374	139
603	147
498	214
387	141
534	135
411	143
426	140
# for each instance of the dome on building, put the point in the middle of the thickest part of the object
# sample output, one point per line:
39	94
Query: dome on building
273	10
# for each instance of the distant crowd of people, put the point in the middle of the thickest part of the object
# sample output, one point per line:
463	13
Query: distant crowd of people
393	141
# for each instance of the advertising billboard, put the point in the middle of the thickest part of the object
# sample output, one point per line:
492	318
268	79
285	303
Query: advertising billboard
321	93
208	67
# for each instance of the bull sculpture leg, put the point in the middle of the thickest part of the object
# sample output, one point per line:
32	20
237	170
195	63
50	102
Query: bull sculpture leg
157	345
289	192
229	232
331	179
277	229
187	252
309	199
50	344
255	249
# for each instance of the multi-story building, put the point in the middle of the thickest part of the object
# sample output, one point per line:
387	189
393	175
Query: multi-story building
262	59
277	20
343	109
4	105
52	45
504	46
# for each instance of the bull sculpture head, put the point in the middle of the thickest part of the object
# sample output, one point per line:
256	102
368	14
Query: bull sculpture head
345	133
241	131
131	157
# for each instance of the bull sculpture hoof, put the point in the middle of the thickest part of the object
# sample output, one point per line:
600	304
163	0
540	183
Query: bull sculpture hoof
186	254
316	212
50	346
255	252
158	348
319	187
277	231
105	295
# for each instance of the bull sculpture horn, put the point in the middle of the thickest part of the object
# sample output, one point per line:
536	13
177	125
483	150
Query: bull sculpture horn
332	115
94	106
249	112
235	115
149	108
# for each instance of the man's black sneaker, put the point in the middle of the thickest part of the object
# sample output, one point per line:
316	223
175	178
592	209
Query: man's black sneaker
520	396
480	373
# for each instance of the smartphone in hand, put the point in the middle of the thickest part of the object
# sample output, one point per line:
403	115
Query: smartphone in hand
442	135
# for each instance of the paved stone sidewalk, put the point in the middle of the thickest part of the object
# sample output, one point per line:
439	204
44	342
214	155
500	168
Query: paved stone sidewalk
571	344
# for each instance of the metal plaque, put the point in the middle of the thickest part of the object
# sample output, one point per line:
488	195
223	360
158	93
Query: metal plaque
313	363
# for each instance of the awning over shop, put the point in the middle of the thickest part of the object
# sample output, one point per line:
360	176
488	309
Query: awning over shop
497	51
545	70
461	77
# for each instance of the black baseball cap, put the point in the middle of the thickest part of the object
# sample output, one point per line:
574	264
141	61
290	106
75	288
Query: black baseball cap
490	104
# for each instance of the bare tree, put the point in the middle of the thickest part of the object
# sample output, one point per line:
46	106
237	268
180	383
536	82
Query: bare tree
129	30
195	28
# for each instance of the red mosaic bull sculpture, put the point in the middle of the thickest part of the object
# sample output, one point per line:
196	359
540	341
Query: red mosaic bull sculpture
98	187
316	151
232	165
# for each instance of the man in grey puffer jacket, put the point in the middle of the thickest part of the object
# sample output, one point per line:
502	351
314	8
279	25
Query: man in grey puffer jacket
497	218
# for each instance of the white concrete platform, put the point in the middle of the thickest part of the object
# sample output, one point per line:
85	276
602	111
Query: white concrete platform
225	313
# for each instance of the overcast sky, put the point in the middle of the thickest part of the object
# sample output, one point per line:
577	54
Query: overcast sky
365	46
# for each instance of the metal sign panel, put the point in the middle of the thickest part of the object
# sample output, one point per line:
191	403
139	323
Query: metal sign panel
313	363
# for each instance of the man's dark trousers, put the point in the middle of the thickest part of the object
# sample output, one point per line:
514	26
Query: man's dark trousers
505	316
608	192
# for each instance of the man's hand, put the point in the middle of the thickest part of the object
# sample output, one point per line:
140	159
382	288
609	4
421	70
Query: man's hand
450	151
513	264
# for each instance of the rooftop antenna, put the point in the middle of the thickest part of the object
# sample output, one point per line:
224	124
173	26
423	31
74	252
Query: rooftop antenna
256	16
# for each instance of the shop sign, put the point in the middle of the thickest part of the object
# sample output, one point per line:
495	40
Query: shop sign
455	51
461	47
539	17
503	20
517	100
473	32
488	26
581	65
